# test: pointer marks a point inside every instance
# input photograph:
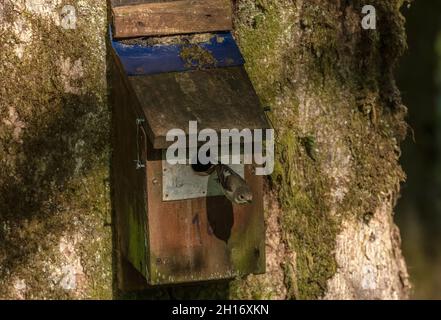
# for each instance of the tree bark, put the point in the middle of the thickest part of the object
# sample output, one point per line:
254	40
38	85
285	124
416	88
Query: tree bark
339	121
329	204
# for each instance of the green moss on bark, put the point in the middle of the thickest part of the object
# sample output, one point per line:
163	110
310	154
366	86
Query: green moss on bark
317	51
54	203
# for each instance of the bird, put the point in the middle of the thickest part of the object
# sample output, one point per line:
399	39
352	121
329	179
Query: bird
233	185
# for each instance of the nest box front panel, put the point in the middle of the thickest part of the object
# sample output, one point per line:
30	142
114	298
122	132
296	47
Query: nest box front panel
205	238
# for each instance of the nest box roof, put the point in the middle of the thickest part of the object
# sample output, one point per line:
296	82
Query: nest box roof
218	98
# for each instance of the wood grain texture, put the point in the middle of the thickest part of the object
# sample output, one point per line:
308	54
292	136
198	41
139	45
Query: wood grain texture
171	17
119	3
220	98
168	242
128	186
205	238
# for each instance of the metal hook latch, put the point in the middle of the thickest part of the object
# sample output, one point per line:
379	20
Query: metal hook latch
138	163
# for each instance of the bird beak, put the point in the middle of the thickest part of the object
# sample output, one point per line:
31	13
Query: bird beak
249	201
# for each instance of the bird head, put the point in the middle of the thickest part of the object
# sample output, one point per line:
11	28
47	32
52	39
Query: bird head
243	195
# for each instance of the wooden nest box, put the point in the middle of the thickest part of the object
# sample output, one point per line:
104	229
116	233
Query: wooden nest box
174	225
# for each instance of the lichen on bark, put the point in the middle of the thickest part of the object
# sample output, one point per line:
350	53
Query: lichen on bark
338	119
54	194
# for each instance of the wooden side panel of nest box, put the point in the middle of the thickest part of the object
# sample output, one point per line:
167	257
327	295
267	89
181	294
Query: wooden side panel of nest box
128	189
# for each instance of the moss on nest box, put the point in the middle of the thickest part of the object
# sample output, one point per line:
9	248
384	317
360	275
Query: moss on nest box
194	56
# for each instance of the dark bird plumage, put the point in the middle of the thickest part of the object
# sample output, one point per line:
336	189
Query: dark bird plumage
234	186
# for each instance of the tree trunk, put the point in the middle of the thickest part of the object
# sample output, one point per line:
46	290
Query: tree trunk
338	119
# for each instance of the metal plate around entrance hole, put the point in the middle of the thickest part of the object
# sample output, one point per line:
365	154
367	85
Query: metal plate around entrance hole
180	182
